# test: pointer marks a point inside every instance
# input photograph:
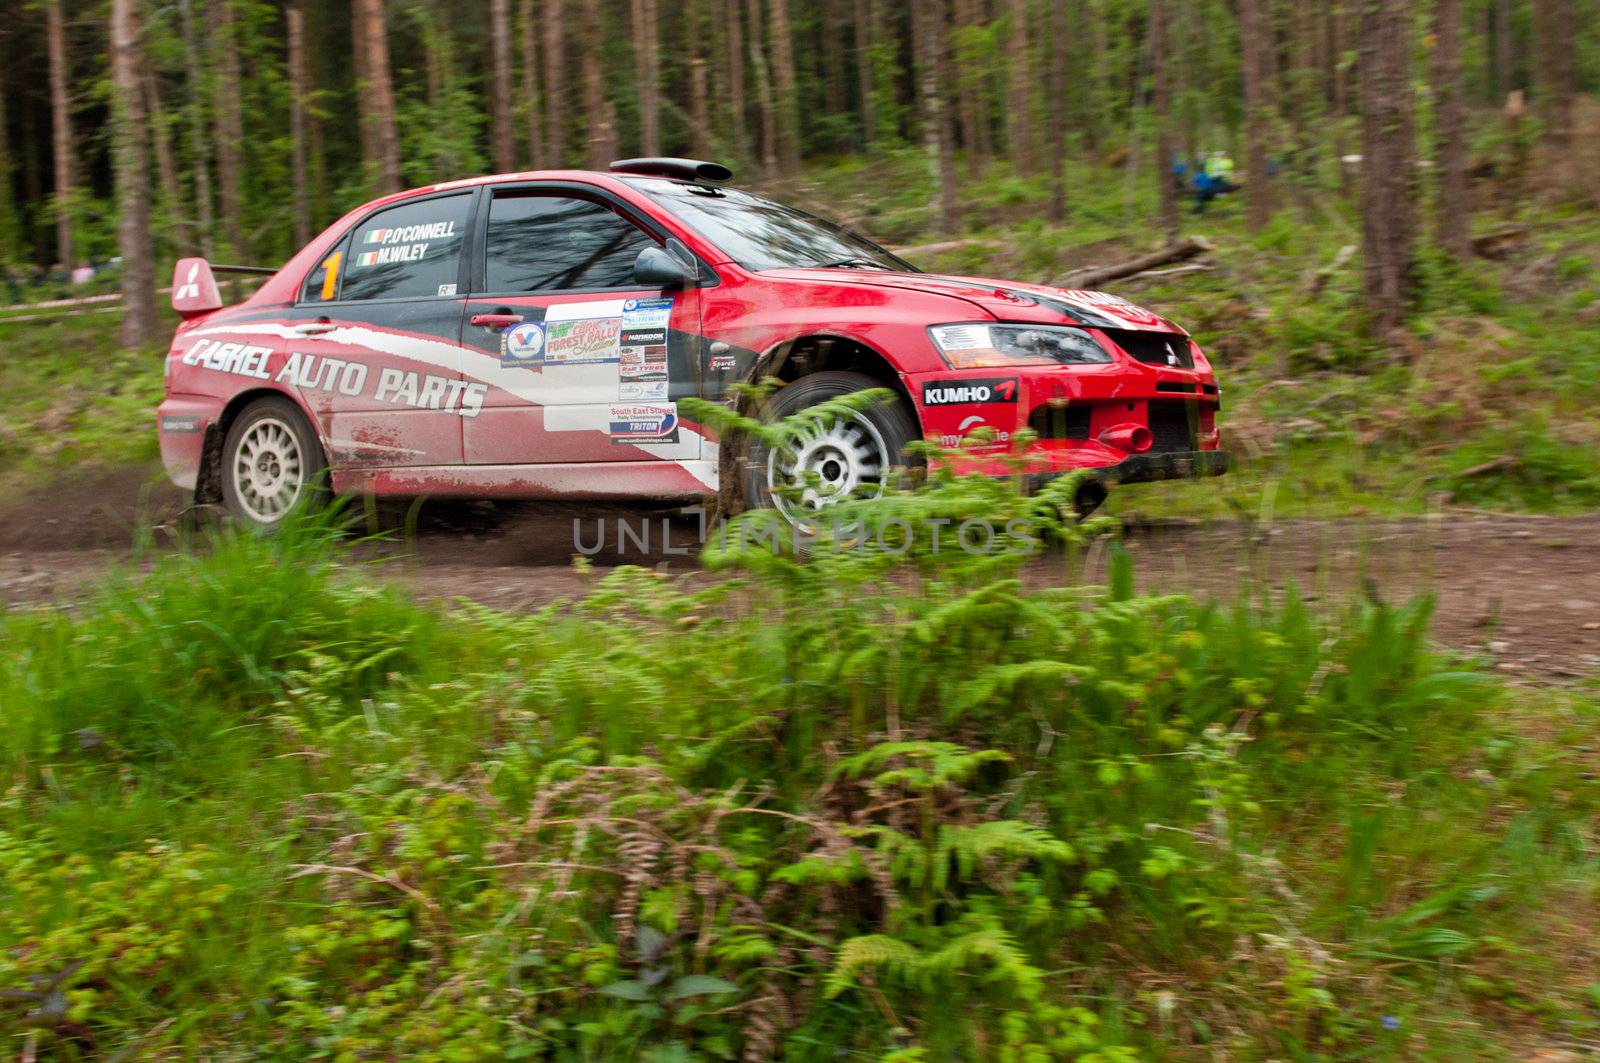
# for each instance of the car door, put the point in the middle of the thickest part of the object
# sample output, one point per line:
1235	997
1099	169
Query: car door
585	364
374	343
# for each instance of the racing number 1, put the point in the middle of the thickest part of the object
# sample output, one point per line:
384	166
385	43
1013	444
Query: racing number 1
330	274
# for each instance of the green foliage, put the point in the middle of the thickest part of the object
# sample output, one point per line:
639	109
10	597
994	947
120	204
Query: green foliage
895	805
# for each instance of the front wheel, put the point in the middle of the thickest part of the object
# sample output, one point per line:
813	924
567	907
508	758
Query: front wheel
830	457
272	464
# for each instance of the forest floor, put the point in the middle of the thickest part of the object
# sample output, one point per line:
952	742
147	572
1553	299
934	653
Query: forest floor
1521	592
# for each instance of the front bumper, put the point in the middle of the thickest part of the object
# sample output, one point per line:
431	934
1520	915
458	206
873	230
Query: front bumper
1172	465
1146	468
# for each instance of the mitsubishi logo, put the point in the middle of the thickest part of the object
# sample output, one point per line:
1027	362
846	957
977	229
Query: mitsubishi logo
190	288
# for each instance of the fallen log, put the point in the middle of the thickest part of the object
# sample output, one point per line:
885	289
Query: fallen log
1181	251
1319	280
942	247
1497	242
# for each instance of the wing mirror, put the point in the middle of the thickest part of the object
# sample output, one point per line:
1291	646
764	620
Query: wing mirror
658	268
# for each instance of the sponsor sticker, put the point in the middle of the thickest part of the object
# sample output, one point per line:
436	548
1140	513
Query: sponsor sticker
644	424
643	391
644	363
646	314
723	363
971	391
179	425
1113	304
447	289
585	340
523	345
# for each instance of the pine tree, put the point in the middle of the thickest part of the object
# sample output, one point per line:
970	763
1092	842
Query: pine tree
502	141
1389	161
1254	47
555	80
1452	205
1165	148
932	78
139	325
61	130
787	102
229	129
528	28
299	90
647	75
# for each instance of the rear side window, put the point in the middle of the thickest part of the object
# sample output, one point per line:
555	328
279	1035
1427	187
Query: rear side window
405	252
552	243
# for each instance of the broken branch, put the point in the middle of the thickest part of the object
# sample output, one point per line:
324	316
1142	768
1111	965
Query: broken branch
1181	251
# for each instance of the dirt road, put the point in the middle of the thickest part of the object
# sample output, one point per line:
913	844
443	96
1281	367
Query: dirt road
1523	591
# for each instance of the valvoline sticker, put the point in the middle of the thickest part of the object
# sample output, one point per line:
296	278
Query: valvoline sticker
523	345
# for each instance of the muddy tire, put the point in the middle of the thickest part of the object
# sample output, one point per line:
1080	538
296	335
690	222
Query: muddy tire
833	458
272	464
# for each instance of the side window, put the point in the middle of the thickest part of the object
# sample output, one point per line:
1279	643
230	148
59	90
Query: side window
322	283
405	252
551	243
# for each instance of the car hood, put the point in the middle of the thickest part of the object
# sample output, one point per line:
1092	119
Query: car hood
1005	300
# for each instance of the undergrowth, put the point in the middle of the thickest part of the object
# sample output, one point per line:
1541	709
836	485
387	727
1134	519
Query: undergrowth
873	803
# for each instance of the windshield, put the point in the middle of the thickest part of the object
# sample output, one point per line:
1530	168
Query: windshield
760	234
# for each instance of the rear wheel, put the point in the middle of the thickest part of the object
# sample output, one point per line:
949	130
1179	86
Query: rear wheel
272	464
830	457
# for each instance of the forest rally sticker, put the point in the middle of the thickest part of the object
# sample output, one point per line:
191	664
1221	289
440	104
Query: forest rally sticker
591	339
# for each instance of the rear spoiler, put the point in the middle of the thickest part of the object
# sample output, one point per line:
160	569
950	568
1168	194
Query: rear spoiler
194	285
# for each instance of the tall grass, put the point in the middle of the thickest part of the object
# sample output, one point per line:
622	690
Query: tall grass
862	804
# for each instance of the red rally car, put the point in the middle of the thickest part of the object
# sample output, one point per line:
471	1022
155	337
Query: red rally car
529	336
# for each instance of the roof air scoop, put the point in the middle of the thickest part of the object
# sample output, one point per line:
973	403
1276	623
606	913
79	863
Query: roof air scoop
681	169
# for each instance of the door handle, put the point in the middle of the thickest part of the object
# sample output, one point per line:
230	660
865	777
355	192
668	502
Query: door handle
500	319
314	328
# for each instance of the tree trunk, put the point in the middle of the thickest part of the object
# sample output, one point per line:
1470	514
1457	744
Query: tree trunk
11	250
738	121
139	326
1389	161
699	77
598	132
763	87
866	34
555	80
647	73
788	118
1504	51
166	161
1556	30
502	138
528	29
1019	93
1254	46
295	25
1159	61
1058	111
372	34
61	130
927	27
199	142
1453	205
974	124
229	124
1339	34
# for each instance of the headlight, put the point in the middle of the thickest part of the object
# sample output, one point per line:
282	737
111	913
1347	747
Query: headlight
976	346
